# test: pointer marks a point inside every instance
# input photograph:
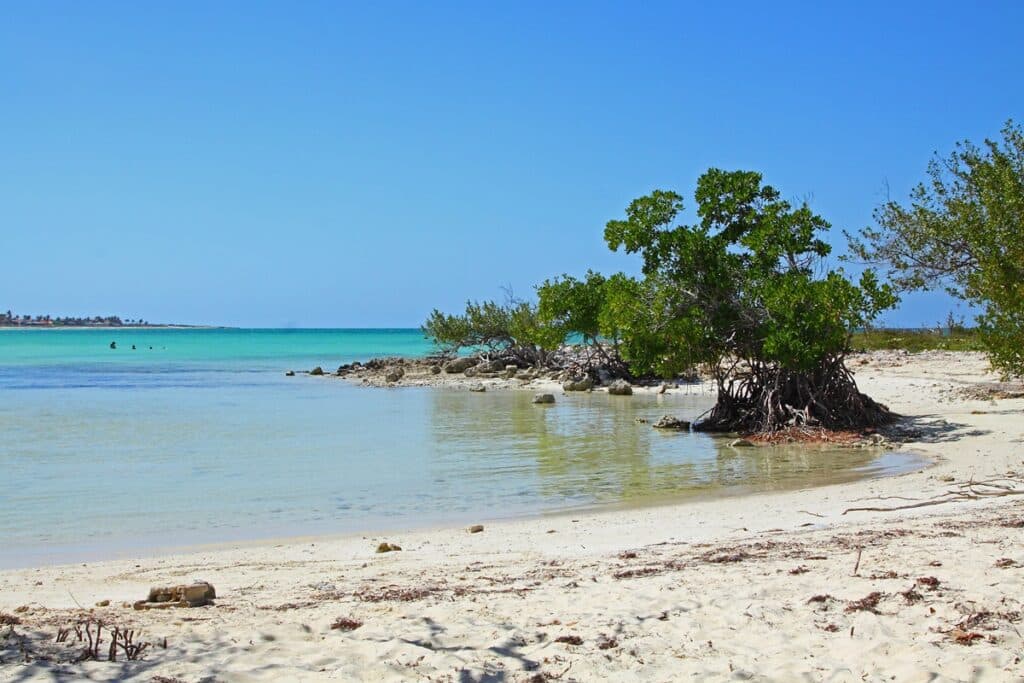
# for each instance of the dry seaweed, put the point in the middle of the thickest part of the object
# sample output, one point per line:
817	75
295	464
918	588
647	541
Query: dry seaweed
869	603
345	624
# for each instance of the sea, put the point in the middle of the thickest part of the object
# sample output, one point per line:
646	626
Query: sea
121	441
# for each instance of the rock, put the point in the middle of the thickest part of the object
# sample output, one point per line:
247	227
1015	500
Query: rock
491	366
525	375
477	388
388	547
317	371
453	367
620	387
578	384
671	422
290	373
470	372
476	528
742	443
544	398
103	603
394	374
191	595
435	369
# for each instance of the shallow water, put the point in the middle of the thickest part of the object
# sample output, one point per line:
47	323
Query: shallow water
105	452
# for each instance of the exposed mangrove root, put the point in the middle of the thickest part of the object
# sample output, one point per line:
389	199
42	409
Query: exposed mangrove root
765	398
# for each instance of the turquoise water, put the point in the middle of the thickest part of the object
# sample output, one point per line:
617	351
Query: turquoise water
203	439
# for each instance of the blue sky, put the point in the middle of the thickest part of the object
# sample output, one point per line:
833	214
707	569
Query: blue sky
332	164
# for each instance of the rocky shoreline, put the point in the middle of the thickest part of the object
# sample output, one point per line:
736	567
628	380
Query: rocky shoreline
478	373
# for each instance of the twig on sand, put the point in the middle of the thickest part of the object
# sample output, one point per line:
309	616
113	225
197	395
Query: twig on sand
964	491
857	565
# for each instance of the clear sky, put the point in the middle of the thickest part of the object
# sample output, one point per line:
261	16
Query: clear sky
337	164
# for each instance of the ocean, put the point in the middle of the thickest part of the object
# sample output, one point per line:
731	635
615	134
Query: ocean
196	436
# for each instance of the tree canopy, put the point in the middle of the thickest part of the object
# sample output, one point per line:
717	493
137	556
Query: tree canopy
962	230
746	291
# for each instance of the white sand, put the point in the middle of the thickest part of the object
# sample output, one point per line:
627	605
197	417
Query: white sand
495	602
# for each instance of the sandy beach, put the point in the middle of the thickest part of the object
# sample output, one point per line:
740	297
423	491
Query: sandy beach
780	586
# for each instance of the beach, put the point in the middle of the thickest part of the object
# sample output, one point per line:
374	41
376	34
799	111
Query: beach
771	586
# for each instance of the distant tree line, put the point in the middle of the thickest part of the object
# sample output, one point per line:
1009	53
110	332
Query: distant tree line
10	319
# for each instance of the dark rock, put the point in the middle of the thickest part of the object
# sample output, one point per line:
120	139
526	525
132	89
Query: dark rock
476	528
453	367
388	547
317	371
290	373
671	422
578	384
491	366
394	374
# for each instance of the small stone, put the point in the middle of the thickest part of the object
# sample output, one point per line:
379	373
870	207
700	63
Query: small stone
476	528
103	603
388	547
544	398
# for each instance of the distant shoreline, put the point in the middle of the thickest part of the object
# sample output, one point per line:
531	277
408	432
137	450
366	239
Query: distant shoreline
114	327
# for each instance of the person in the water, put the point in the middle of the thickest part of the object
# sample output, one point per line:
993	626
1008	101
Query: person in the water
113	344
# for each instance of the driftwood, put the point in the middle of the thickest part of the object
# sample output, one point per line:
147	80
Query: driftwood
968	490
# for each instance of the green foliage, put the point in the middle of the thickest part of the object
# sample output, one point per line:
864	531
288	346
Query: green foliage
742	282
513	328
573	306
962	231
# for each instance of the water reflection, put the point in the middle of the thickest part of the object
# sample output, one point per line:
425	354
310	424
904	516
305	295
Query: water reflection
591	449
